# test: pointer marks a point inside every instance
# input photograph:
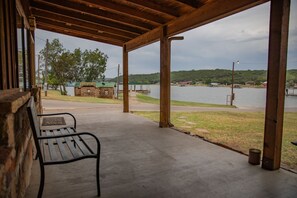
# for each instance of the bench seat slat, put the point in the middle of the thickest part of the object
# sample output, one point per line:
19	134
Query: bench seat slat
62	145
81	144
52	148
71	144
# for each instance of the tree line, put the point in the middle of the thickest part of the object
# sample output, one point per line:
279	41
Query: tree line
221	76
71	66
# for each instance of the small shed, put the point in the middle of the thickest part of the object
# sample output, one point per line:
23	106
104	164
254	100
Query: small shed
95	89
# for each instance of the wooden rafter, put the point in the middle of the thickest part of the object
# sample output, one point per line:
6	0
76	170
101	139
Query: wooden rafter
82	23
114	17
86	31
192	3
69	32
124	9
73	14
156	6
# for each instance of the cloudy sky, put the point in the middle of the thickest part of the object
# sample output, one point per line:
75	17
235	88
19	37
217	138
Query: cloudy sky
242	37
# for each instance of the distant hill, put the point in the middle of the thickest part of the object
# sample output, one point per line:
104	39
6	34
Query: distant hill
221	76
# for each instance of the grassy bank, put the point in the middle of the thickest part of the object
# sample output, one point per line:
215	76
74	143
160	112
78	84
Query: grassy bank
55	95
147	99
238	130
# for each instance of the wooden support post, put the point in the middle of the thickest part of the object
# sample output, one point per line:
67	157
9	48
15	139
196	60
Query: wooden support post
125	80
3	61
32	50
277	59
164	80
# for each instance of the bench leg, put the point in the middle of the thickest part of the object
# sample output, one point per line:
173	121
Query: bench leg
97	176
41	185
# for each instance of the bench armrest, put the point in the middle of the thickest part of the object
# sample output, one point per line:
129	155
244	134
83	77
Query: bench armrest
52	114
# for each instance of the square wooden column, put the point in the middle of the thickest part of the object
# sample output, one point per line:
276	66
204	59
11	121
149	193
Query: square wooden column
125	80
31	41
164	80
276	79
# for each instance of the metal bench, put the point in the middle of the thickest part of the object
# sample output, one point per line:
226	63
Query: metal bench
60	146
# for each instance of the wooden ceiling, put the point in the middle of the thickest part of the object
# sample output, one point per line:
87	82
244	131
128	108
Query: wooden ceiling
134	23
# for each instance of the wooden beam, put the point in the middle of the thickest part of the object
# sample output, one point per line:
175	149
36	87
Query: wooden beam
78	29
164	80
76	15
192	3
22	12
14	50
8	43
82	23
114	17
125	80
156	6
124	9
3	78
75	34
210	12
277	60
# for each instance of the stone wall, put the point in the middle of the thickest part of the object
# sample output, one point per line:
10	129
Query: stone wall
16	144
106	92
100	92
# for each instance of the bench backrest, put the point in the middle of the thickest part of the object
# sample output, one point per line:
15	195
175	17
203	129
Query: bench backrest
34	123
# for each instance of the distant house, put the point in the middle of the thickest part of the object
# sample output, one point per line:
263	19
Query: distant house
214	84
238	86
264	84
184	83
95	89
250	83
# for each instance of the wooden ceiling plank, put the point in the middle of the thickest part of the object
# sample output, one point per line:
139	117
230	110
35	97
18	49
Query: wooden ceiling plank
210	12
94	26
192	3
156	7
101	13
71	32
79	28
124	9
74	14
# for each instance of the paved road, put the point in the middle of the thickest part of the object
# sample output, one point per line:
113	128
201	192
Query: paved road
137	106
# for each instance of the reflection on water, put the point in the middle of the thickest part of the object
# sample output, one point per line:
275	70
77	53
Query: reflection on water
244	97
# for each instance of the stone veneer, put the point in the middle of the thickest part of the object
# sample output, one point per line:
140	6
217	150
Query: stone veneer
16	143
100	92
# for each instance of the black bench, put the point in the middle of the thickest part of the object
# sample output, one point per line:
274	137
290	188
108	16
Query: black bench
60	146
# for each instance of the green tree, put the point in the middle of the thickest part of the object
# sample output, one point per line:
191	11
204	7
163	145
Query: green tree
65	66
93	65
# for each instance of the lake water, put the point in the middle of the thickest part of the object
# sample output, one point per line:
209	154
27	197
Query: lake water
244	97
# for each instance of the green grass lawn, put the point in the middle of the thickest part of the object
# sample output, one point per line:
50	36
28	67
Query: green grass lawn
55	95
147	99
239	131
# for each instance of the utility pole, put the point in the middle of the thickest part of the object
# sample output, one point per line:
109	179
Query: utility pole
232	84
45	72
118	82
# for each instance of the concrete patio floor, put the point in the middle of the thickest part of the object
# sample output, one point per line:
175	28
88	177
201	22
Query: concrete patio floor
139	159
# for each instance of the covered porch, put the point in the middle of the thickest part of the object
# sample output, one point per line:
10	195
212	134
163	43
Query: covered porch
139	159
